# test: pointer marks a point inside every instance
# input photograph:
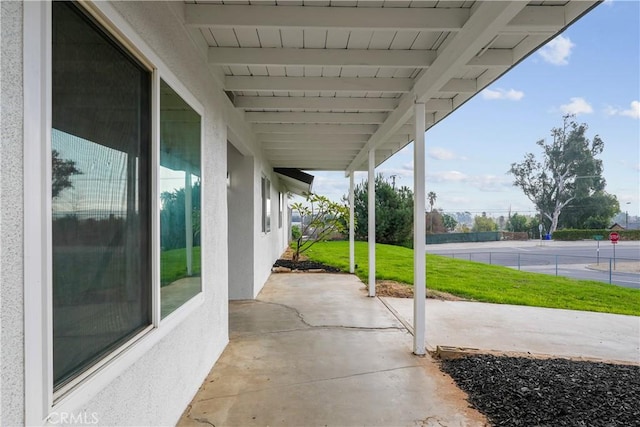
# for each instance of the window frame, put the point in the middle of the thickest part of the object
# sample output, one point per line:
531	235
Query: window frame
138	200
190	100
266	204
280	208
40	400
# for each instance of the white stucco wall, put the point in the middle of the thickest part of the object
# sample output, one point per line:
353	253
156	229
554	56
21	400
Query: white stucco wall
268	246
11	224
263	248
241	214
157	387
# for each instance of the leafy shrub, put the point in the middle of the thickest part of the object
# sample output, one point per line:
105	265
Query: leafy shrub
570	234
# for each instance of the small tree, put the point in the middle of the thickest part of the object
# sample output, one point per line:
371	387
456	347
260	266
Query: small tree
434	222
462	228
484	223
394	212
450	222
517	223
319	219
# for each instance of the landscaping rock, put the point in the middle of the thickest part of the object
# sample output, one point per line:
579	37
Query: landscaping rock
305	266
519	391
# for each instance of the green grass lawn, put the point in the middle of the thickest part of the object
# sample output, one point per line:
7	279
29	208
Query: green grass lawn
173	264
483	282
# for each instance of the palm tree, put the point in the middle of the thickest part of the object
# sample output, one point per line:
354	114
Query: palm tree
432	199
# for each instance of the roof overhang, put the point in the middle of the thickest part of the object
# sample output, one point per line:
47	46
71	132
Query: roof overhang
294	180
317	86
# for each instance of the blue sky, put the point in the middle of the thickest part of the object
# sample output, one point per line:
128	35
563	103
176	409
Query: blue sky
591	70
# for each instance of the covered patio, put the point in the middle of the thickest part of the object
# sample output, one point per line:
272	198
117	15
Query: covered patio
344	85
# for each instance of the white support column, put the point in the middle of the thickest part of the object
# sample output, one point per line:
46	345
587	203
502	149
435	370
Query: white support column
419	242
372	223
352	222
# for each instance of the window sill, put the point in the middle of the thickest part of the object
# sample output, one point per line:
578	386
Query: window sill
113	366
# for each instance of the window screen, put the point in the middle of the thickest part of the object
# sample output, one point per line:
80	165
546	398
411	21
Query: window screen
100	193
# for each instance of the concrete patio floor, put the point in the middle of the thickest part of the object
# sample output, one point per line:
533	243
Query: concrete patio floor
313	349
533	330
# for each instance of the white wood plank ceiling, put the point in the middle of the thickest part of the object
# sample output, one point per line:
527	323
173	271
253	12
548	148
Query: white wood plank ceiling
320	83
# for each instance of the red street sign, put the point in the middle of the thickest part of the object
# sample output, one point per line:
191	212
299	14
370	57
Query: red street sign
614	237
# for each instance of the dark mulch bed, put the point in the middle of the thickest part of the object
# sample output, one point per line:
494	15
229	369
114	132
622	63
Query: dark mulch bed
305	265
517	391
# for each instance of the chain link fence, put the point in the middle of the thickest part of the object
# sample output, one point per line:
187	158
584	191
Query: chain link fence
606	269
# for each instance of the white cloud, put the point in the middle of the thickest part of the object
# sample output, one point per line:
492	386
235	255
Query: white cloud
491	183
484	183
577	106
511	94
440	153
399	173
557	51
447	176
633	111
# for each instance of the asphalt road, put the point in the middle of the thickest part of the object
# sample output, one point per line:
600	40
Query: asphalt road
579	260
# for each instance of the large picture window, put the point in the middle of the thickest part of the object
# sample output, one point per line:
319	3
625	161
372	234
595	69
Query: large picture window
179	199
100	190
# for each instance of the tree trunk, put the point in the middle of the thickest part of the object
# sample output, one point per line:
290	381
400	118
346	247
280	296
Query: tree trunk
296	254
554	220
